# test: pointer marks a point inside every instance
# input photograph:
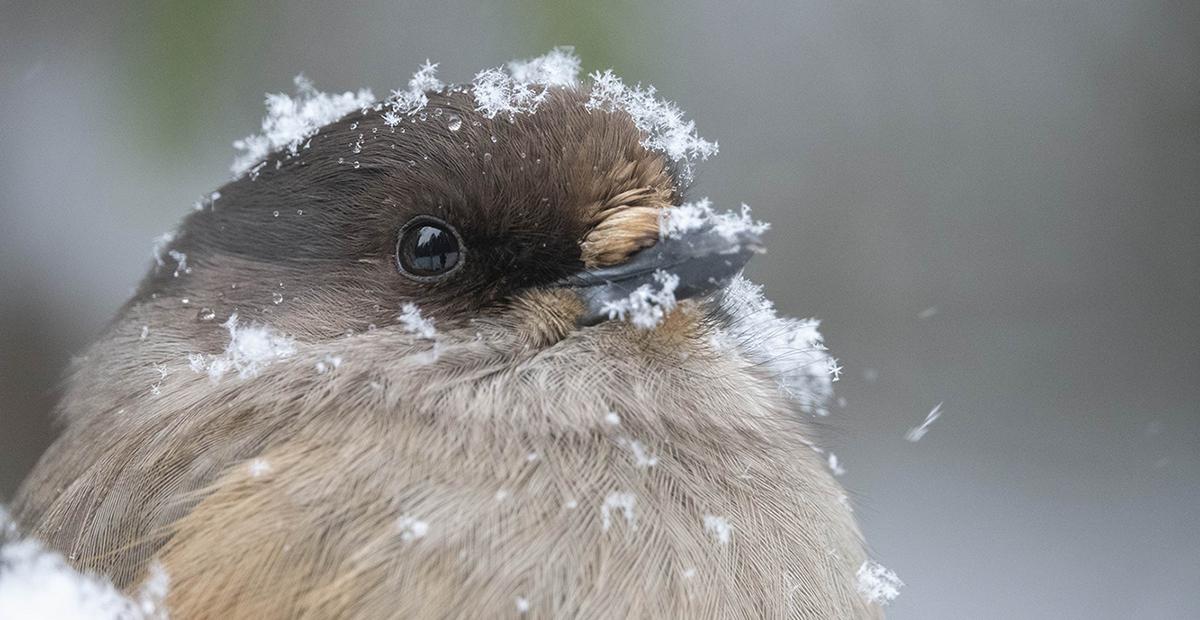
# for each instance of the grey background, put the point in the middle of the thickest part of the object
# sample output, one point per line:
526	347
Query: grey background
1030	169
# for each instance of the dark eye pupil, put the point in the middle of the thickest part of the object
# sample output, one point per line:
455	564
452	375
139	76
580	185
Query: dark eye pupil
428	250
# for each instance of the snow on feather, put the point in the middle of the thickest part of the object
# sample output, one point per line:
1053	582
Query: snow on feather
292	120
660	121
693	216
411	528
624	502
411	320
558	67
647	305
719	528
522	85
792	350
38	583
877	584
250	349
415	98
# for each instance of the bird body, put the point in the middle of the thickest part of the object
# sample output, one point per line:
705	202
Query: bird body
293	426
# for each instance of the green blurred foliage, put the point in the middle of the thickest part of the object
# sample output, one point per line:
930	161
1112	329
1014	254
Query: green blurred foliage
177	53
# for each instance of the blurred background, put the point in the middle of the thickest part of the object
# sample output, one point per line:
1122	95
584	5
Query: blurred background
993	205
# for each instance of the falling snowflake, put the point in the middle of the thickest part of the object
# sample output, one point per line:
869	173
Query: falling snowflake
916	433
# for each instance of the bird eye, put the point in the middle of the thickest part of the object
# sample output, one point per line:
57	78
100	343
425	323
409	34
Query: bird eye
428	249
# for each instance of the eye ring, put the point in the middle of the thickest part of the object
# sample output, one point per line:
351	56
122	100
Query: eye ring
429	249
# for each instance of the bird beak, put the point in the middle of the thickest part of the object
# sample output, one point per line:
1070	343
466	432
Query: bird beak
704	260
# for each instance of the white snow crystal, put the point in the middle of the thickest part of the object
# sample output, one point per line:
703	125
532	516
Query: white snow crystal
411	320
411	528
413	100
624	502
730	224
498	92
684	218
916	433
37	583
250	349
156	387
719	527
692	216
161	243
660	120
834	466
792	350
292	120
425	79
612	419
525	84
152	594
258	467
878	584
558	67
646	307
641	457
180	259
328	363
522	605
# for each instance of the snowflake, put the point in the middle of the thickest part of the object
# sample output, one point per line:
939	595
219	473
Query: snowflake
719	527
659	120
410	318
290	121
250	349
646	306
624	502
878	584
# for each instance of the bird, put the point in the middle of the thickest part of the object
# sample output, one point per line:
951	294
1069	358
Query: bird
386	372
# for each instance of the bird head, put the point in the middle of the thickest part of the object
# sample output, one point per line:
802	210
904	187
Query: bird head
545	222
